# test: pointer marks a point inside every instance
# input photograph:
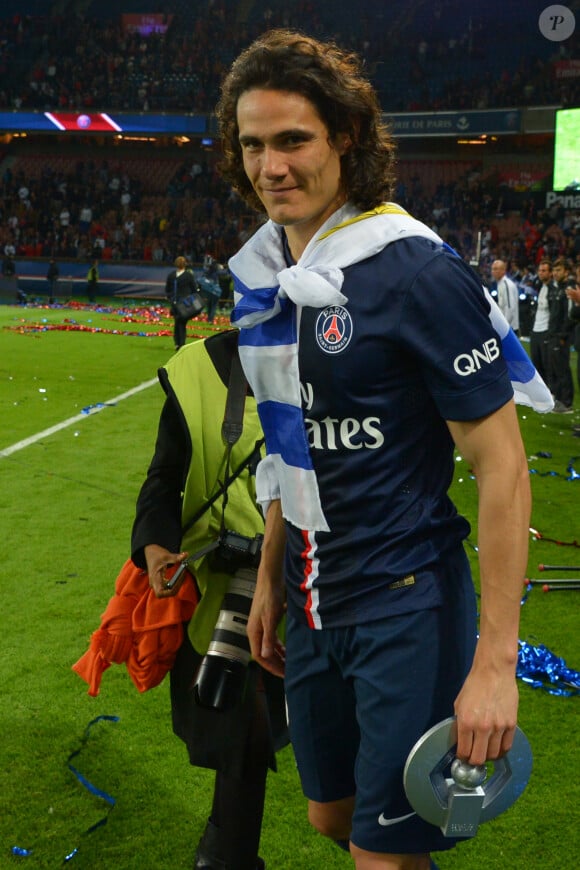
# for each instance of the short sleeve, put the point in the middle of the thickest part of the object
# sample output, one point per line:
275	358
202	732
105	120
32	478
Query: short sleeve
445	324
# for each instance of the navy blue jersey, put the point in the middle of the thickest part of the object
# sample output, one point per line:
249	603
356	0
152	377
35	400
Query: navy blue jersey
412	347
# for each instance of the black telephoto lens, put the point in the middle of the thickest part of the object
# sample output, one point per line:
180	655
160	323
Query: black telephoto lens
221	678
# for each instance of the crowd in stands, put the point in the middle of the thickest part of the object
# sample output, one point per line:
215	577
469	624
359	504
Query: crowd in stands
106	209
440	55
469	214
445	55
100	209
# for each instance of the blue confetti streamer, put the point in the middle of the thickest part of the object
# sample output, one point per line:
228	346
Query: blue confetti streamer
89	785
571	473
526	594
540	668
92	788
89	408
25	853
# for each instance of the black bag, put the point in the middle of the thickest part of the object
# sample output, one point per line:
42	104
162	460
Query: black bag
189	306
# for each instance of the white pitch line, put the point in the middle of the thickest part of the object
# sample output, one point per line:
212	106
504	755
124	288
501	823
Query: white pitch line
26	442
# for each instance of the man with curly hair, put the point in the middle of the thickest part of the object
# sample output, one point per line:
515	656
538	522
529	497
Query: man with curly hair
370	349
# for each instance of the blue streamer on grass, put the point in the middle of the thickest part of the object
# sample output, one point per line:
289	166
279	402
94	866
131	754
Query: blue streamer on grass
89	408
101	822
526	594
540	668
93	789
571	473
25	853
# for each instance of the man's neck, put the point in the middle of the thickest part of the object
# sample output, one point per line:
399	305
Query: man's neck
299	235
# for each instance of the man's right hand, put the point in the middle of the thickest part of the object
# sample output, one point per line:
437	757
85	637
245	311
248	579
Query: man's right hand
268	605
267	610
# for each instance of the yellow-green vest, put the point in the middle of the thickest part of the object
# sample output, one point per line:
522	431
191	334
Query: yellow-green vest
201	395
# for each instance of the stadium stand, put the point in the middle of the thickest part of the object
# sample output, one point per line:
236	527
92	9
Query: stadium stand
427	55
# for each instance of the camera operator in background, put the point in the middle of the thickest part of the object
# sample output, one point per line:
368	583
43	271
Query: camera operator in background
227	721
211	288
180	282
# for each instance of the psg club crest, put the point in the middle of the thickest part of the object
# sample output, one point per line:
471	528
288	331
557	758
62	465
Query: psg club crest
333	329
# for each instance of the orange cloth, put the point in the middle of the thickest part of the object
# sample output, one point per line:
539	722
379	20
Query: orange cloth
139	629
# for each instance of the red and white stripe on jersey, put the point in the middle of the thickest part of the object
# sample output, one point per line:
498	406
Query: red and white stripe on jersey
310	575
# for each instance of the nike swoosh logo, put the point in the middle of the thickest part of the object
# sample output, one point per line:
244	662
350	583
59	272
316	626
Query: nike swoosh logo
386	822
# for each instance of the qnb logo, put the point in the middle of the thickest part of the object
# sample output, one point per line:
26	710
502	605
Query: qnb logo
470	363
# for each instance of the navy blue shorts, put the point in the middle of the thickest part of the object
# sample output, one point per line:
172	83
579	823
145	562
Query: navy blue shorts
360	697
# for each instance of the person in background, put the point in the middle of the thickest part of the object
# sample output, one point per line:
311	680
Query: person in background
185	471
546	307
213	292
52	276
93	281
8	266
180	283
573	294
561	330
8	272
508	296
358	330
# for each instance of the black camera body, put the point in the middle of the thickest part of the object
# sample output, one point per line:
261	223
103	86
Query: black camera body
235	551
221	678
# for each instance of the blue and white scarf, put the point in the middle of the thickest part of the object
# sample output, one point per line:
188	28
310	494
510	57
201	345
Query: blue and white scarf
268	297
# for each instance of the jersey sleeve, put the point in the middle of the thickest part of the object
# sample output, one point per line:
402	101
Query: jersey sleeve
445	324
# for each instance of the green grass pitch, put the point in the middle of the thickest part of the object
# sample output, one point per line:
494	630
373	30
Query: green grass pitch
66	509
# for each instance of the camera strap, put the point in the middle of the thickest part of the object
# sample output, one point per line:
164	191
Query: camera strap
233	423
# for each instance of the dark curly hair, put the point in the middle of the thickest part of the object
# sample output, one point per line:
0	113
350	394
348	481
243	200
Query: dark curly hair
332	80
